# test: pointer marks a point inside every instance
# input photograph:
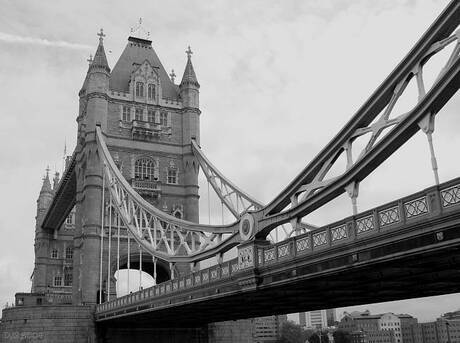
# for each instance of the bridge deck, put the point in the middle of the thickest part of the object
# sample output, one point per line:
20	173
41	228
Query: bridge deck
404	249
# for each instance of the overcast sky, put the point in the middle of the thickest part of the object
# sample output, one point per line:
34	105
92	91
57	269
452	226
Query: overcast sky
278	80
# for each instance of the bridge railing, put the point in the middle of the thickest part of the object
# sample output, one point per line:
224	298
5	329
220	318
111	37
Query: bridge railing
197	279
421	206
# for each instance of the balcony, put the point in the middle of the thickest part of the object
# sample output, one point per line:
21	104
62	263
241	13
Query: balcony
147	187
145	130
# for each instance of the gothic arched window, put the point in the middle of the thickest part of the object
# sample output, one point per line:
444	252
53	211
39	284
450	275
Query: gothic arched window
69	219
140	89
151	91
172	174
144	169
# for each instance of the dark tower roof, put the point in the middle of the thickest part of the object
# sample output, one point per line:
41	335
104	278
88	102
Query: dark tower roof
136	52
100	59
46	186
189	76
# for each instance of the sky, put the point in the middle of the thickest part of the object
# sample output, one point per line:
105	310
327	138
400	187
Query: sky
278	80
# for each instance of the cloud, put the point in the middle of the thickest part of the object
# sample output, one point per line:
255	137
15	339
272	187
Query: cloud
14	39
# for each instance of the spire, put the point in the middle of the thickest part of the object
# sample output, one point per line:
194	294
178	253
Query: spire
189	77
46	186
55	181
100	60
85	82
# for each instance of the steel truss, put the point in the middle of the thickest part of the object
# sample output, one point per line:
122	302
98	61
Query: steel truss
236	200
162	235
312	188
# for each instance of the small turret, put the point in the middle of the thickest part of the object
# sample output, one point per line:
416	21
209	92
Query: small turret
97	86
189	92
46	194
189	86
99	61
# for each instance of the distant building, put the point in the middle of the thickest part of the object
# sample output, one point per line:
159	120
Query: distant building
382	328
319	319
254	330
358	337
444	329
267	329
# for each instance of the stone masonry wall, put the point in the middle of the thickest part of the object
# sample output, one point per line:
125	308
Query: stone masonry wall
48	324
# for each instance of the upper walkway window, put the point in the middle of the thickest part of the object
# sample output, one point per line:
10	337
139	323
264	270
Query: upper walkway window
151	91
140	89
144	169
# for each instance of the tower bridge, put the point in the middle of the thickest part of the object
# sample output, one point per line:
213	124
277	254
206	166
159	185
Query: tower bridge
129	198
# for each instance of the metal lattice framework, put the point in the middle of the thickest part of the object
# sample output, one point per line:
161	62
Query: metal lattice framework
387	130
161	235
236	200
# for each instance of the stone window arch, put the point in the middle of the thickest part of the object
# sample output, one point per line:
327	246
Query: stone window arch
69	220
145	169
151	91
139	89
178	211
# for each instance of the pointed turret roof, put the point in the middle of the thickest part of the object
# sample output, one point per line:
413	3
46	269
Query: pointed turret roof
100	59
85	82
46	186
136	52
189	76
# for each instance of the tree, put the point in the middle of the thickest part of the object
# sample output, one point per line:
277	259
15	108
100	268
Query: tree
341	336
291	333
319	337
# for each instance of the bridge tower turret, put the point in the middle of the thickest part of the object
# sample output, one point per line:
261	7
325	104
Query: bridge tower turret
190	94
92	113
39	279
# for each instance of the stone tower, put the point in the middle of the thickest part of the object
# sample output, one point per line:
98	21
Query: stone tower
148	122
52	275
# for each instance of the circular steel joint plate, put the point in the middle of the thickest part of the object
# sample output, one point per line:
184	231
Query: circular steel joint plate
246	227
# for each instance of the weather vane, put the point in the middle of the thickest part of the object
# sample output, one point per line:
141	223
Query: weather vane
101	35
139	31
189	52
